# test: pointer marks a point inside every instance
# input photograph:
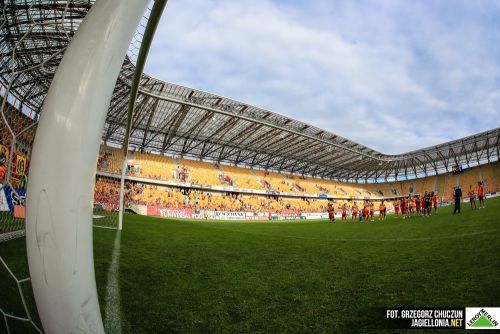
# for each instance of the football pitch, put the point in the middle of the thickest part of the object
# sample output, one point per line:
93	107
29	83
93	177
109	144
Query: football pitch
276	277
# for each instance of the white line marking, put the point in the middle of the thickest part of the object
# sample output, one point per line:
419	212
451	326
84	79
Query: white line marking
113	319
110	228
455	236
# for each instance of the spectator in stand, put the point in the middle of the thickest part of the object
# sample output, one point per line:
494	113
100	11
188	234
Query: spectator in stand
2	173
3	155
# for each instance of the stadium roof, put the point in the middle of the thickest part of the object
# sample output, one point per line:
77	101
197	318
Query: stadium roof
179	120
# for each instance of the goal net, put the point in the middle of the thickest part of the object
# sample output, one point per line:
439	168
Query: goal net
107	188
17	133
35	35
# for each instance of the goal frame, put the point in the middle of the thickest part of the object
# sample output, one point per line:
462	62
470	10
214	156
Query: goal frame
63	167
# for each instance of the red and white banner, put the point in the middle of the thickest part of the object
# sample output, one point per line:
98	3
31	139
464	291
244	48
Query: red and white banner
285	216
315	215
170	213
233	215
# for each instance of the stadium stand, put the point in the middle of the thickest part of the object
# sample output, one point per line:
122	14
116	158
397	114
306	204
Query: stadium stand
280	193
288	165
106	192
153	166
200	172
161	167
241	177
109	160
273	181
18	122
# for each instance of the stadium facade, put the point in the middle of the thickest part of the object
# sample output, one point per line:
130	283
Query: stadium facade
172	119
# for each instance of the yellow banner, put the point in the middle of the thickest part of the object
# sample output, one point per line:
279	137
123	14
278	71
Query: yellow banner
20	164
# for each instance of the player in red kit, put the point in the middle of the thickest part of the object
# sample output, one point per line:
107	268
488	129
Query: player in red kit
418	204
403	207
472	198
410	205
354	214
435	202
372	211
331	213
480	194
366	211
381	211
396	209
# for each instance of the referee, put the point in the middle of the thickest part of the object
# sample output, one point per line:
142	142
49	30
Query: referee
458	195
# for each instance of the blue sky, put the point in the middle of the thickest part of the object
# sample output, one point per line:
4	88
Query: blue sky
393	75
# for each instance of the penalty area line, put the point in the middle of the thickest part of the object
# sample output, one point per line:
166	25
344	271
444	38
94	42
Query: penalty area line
113	319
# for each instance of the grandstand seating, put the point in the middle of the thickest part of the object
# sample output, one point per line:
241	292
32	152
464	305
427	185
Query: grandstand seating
241	177
273	181
201	172
17	122
110	160
152	166
490	173
160	167
106	193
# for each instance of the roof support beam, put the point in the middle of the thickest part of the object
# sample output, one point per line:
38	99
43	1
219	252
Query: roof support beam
179	118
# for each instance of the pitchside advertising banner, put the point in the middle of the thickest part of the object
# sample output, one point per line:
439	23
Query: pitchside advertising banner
234	215
12	201
482	318
314	215
206	214
285	216
170	213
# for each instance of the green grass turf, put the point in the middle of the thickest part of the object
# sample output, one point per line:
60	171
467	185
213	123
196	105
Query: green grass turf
275	277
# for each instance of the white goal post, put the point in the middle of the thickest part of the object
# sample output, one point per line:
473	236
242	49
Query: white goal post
63	168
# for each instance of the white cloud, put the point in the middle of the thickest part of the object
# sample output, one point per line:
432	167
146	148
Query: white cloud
395	76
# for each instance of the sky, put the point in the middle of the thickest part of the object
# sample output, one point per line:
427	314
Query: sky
392	75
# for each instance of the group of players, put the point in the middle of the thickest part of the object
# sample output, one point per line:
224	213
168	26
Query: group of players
365	212
416	205
403	207
480	196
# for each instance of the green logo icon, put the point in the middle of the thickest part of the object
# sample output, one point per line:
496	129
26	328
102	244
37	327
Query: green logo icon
482	321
